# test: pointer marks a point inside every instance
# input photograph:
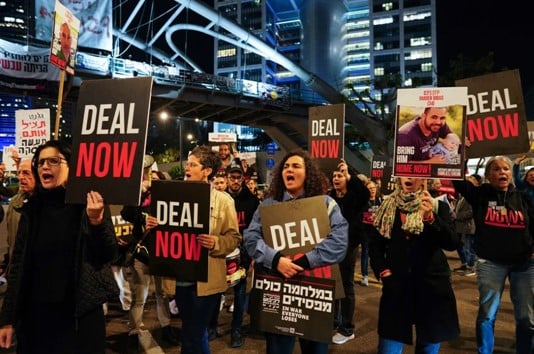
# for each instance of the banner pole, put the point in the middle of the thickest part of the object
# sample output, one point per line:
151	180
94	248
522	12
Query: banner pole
59	103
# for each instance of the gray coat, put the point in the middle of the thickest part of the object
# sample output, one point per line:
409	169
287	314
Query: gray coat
464	222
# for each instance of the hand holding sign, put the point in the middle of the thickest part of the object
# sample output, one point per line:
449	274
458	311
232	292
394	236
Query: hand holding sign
207	241
287	268
95	207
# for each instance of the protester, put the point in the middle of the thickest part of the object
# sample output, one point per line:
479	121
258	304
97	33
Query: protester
351	195
368	217
250	172
246	204
227	155
26	188
252	185
296	176
55	286
505	250
5	193
220	182
407	255
143	222
197	301
526	183
465	227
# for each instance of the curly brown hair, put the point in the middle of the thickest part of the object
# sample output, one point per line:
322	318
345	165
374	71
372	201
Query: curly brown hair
316	182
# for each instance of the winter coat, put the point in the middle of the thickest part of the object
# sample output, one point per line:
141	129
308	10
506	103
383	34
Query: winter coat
223	224
94	247
464	222
352	205
418	291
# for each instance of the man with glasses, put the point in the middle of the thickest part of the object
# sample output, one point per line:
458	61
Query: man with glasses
246	204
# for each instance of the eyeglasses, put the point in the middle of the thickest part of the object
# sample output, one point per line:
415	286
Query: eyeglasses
52	161
235	178
192	164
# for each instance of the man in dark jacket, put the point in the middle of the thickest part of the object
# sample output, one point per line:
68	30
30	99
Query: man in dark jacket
246	204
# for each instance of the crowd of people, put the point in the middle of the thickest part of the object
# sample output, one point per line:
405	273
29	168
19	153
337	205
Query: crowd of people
402	237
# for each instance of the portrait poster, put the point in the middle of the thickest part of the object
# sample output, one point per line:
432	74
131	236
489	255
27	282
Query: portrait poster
123	228
109	140
64	38
326	135
430	132
32	128
183	212
496	116
300	306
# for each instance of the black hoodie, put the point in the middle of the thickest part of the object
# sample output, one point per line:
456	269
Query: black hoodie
503	222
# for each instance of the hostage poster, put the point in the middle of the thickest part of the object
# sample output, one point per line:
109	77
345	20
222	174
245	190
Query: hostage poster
430	133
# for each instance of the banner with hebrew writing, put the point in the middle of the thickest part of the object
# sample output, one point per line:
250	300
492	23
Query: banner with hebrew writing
301	306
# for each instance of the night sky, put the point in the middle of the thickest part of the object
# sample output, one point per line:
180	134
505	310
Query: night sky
476	27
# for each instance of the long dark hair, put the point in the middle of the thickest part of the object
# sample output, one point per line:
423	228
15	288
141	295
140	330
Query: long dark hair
315	183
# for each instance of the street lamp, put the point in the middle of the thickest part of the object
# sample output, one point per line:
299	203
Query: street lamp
164	116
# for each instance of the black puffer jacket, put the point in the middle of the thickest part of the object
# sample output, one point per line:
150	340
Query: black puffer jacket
94	248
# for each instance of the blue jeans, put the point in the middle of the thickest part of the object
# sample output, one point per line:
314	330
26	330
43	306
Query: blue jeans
282	344
240	302
470	255
491	278
389	346
195	312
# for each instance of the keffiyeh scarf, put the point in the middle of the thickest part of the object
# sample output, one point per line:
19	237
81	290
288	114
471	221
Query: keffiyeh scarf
408	203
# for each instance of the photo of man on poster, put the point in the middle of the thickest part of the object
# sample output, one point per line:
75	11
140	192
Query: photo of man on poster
418	136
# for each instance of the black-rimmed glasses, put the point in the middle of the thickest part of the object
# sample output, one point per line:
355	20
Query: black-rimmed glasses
52	161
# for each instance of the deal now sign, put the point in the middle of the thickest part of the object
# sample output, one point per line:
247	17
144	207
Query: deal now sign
326	135
496	116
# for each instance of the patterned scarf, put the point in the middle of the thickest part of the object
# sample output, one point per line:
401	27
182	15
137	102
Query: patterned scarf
408	203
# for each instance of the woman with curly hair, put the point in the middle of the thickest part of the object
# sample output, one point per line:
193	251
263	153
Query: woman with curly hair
296	176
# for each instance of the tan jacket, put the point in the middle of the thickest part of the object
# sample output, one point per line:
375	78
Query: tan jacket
223	225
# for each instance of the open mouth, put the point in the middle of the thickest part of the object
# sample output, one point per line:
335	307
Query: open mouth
46	177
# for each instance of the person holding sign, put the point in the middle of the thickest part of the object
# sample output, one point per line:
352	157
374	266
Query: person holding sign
503	243
56	282
417	137
297	176
351	195
525	184
197	301
406	252
143	222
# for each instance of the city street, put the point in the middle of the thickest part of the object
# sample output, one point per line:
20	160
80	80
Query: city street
367	299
